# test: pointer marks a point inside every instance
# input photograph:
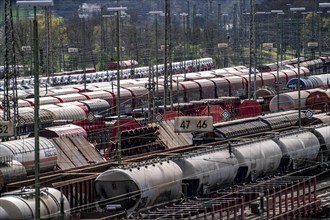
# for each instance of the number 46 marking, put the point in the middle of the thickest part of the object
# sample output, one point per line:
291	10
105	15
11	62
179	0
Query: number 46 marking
201	125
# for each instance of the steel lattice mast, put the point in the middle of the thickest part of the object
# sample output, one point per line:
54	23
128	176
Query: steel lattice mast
10	70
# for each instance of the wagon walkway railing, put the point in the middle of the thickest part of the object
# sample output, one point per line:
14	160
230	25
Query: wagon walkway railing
289	197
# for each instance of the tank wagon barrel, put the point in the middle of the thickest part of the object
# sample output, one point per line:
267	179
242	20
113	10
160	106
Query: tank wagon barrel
323	135
298	148
206	169
21	205
141	186
11	171
257	158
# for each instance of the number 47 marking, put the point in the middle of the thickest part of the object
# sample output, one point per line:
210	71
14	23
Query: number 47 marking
185	124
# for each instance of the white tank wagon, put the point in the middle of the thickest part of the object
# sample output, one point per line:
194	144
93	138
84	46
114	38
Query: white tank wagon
23	151
323	135
288	101
206	170
256	159
298	148
140	187
11	171
21	205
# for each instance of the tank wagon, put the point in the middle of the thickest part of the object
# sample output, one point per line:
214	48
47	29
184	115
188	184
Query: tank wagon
298	148
256	159
317	99
323	135
312	64
136	187
202	170
21	204
314	81
205	169
23	152
11	171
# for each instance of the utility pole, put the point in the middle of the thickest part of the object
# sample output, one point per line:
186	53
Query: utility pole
252	46
313	28
167	50
240	30
297	10
10	72
235	41
188	24
218	34
323	37
219	21
118	137
156	13
102	38
47	26
278	49
184	17
194	32
35	4
83	16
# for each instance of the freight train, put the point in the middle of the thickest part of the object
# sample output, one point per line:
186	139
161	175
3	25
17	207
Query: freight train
77	111
293	63
77	76
134	94
185	88
142	185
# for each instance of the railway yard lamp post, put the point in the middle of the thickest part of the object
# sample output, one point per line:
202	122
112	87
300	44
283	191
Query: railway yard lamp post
296	10
35	4
118	137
